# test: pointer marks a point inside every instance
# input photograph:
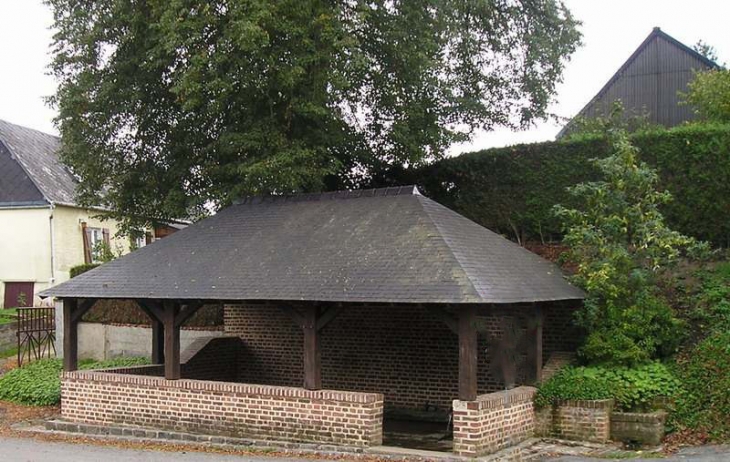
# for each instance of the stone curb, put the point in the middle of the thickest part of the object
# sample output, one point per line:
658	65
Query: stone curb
519	452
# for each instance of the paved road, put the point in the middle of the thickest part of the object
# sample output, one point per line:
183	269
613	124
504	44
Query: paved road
698	454
29	450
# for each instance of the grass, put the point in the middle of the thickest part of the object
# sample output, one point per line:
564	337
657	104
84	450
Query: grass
8	316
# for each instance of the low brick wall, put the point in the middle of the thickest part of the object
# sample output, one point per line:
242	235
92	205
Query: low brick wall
493	421
636	427
222	408
583	420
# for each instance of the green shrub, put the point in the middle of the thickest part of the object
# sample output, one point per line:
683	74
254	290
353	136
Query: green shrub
39	384
512	190
632	389
81	269
705	402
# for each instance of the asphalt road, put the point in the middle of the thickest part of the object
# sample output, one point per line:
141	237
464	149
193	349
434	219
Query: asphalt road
29	450
696	454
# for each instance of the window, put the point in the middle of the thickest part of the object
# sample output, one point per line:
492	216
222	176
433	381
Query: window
96	244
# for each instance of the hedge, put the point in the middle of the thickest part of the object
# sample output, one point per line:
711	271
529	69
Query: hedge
512	190
81	269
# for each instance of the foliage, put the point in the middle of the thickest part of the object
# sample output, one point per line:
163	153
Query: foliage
39	384
102	252
633	389
80	269
512	190
169	107
8	316
618	242
709	94
618	118
705	373
127	312
706	50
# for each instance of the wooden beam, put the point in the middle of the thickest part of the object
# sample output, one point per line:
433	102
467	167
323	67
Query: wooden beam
328	316
82	307
451	322
153	309
172	341
70	335
158	342
538	342
467	353
312	354
186	312
293	314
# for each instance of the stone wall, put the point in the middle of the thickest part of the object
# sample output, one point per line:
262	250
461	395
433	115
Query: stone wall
403	351
8	336
493	421
220	408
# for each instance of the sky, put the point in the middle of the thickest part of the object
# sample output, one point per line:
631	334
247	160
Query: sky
612	30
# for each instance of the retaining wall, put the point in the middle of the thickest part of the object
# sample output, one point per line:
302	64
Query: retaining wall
493	421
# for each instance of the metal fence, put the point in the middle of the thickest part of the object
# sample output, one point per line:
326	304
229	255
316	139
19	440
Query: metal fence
36	334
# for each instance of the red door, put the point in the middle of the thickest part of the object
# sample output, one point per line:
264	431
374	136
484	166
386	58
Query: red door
18	294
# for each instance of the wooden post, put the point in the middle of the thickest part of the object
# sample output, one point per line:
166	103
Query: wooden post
312	354
158	342
70	335
538	342
172	341
468	353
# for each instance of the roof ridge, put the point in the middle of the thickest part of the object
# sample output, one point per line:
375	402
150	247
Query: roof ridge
453	253
409	190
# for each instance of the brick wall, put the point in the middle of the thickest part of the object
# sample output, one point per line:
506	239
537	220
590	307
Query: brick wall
493	421
242	410
583	420
404	352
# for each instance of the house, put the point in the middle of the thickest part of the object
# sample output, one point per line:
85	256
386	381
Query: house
43	231
649	82
341	310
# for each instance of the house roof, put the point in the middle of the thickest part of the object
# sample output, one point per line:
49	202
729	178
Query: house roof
382	245
664	65
30	169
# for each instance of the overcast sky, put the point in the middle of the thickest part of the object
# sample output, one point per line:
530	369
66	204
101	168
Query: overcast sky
612	30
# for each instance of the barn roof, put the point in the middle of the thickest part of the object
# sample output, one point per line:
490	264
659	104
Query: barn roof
31	172
649	80
381	245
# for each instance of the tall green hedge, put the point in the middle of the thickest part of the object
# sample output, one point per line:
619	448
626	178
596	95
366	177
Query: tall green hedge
512	190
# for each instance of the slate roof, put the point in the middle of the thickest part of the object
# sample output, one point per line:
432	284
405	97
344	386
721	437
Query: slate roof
30	169
382	245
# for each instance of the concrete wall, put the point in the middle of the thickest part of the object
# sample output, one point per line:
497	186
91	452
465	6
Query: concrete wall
25	244
69	240
25	247
101	341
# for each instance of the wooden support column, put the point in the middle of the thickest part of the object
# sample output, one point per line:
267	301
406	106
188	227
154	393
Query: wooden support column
538	341
468	353
312	353
73	310
158	342
172	340
70	335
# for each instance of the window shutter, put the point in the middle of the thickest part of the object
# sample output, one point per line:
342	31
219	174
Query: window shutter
105	235
86	235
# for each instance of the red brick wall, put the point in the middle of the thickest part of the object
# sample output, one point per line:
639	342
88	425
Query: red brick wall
249	411
404	352
493	421
583	420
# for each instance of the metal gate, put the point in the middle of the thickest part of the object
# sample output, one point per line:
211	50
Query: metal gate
36	334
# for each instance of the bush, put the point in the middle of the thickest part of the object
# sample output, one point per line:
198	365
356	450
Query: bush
632	389
512	190
705	402
39	384
81	269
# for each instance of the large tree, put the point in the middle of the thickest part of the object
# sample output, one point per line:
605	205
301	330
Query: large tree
169	107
